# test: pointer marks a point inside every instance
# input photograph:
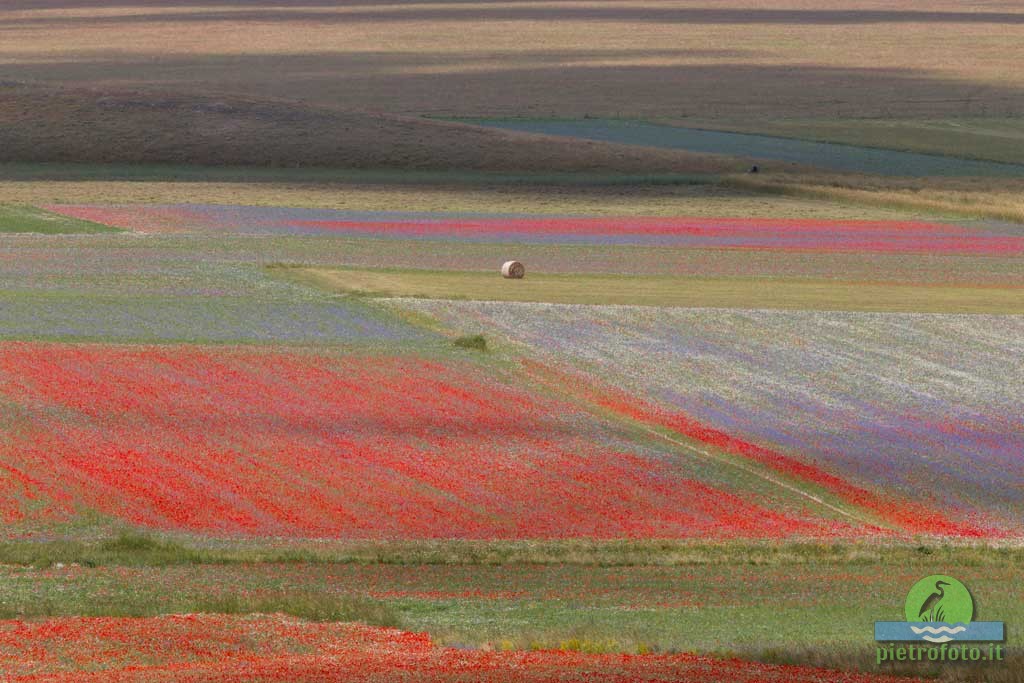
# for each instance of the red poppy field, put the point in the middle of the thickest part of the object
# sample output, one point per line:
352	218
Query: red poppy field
275	648
272	409
754	234
270	443
210	471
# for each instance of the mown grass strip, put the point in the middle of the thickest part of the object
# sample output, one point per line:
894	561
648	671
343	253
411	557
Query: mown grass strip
649	290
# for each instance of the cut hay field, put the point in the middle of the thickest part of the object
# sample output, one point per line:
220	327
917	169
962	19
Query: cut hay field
650	290
837	264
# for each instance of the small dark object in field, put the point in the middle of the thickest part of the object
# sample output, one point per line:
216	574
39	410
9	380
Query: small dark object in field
754	169
513	270
475	342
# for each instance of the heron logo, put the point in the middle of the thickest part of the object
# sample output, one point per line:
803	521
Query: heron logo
939	609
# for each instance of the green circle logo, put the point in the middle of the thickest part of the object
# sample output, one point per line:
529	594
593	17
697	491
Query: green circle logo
939	598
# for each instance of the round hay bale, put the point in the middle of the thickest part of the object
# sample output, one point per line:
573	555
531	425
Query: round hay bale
513	270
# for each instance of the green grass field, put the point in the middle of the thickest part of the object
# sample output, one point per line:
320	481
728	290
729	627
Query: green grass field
990	139
795	603
792	153
691	292
28	219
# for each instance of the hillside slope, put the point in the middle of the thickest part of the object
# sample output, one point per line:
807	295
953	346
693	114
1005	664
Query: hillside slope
99	126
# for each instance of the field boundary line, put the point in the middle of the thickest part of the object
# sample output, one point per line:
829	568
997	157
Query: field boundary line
520	351
763	475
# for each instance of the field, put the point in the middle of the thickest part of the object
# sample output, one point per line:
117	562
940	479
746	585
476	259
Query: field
116	127
672	59
723	232
27	219
828	382
575	607
280	649
593	194
991	139
669	291
223	296
779	152
834	264
418	431
564	608
269	412
586	481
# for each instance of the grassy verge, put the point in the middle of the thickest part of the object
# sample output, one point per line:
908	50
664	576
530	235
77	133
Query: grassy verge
664	290
139	549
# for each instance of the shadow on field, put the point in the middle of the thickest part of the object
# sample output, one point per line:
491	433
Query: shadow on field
379	61
133	127
533	84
